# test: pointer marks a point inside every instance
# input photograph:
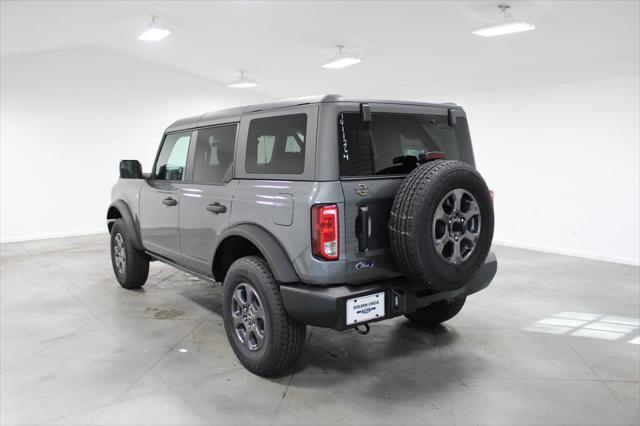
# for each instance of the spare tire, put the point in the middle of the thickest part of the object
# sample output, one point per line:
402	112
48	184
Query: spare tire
441	224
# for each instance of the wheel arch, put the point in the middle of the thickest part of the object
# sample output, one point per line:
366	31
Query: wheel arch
246	240
120	210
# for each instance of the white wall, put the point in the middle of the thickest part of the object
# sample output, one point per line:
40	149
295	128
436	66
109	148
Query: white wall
68	117
563	160
564	164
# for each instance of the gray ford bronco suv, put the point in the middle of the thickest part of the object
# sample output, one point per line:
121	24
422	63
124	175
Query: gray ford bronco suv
323	211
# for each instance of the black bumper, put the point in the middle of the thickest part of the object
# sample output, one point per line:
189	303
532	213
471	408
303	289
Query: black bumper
326	306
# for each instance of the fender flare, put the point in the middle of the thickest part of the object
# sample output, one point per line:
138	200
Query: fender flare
129	223
268	246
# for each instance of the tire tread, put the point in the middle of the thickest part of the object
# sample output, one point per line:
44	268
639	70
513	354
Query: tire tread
137	266
413	190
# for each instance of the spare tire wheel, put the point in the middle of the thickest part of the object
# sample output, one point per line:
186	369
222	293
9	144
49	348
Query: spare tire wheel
441	224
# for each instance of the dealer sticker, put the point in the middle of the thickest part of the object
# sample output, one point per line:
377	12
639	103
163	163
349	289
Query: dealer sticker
365	308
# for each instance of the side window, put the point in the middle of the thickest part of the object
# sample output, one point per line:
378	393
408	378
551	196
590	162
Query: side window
276	145
214	153
173	156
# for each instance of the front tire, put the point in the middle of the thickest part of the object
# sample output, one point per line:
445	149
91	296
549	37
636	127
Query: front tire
130	265
437	313
266	340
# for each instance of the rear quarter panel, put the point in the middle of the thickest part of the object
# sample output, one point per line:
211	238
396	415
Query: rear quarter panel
263	202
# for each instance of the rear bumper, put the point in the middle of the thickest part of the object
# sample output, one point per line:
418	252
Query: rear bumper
326	306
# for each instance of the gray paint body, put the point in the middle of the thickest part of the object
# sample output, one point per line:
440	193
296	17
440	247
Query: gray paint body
273	211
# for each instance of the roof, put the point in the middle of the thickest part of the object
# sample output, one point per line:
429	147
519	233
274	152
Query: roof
234	114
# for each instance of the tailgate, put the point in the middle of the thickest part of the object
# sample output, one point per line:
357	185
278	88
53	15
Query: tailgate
366	213
376	154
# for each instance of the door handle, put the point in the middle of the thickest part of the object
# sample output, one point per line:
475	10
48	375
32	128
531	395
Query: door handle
216	208
362	231
169	202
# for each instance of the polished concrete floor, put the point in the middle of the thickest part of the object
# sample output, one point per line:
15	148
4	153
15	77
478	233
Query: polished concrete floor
554	340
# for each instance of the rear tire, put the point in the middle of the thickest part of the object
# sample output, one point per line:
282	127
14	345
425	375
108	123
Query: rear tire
437	313
130	265
266	340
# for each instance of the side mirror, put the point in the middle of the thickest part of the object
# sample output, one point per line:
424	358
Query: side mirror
130	169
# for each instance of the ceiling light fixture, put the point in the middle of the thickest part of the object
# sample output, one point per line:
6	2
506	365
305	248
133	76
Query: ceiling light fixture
154	32
508	26
243	82
343	59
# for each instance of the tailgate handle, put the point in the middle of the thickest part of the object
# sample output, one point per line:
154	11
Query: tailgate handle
363	228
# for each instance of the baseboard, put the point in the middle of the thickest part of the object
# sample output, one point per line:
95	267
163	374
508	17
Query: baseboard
51	236
573	253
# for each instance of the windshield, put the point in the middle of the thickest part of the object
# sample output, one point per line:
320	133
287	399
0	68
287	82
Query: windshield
391	143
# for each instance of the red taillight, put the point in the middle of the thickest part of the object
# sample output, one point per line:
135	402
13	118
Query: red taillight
491	194
324	231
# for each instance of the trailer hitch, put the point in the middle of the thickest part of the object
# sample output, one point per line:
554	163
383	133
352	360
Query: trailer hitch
362	329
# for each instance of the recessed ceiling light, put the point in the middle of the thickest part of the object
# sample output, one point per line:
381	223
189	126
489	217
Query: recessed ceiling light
243	82
154	32
508	26
342	60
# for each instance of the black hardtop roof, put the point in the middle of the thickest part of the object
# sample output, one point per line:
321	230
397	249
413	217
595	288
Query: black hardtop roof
234	114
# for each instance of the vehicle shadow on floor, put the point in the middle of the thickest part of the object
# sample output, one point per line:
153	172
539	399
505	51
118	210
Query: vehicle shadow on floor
393	350
402	348
209	300
396	363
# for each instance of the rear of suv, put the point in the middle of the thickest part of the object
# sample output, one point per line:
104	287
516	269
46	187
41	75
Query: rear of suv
326	211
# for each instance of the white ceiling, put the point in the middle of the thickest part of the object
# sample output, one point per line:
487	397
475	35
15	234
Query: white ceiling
410	49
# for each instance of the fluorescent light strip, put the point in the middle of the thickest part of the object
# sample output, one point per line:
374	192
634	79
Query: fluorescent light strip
243	84
347	61
504	28
154	34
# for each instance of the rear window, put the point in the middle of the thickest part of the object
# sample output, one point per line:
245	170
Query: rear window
391	143
276	145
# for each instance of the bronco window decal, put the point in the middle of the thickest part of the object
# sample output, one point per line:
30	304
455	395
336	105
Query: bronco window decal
345	143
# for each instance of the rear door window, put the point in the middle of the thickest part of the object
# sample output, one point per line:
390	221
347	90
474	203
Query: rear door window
391	143
214	153
276	145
